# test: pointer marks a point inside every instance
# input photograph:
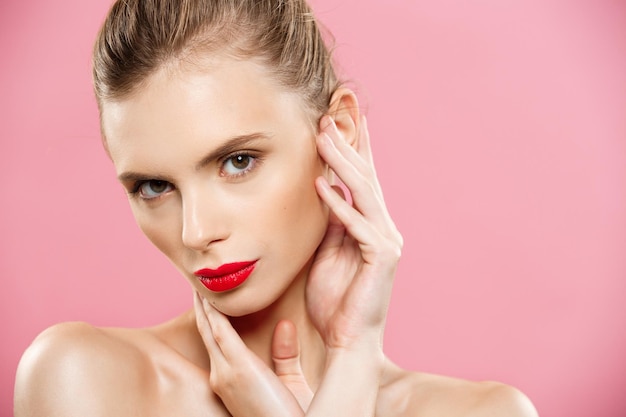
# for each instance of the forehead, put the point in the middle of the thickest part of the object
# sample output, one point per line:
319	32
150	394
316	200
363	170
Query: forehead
222	99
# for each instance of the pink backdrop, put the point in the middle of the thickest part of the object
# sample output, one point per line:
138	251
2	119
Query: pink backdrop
500	137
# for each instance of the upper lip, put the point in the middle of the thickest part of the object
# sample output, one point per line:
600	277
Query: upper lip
222	270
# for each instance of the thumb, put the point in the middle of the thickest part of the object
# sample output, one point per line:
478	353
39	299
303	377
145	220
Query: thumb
286	358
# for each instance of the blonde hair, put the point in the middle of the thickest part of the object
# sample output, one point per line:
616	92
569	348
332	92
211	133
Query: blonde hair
138	37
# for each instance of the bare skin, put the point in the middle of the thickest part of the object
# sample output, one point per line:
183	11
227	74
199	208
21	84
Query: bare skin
164	371
303	335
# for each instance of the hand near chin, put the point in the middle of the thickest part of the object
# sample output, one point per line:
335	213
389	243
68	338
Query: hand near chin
244	383
350	282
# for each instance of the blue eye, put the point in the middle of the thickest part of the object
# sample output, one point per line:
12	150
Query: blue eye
238	164
153	189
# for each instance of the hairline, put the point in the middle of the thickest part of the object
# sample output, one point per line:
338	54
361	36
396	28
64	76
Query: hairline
185	62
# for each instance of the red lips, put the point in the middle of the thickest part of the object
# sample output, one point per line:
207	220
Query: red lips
227	276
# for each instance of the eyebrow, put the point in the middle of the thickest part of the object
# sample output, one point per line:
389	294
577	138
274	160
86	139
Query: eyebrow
231	145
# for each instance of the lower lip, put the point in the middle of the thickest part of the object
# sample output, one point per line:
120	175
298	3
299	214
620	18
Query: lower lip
228	281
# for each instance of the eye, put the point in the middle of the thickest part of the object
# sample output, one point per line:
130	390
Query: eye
239	164
152	189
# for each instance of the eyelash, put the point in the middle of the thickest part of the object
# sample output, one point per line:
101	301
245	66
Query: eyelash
254	161
136	189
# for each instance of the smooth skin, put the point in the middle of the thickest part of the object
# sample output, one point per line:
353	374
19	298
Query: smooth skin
223	165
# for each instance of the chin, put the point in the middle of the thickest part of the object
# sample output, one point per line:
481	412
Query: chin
242	301
260	297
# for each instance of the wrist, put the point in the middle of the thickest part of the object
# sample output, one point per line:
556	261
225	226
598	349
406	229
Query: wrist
351	382
370	341
366	359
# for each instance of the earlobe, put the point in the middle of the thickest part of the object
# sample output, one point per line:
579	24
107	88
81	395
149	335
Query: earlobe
344	110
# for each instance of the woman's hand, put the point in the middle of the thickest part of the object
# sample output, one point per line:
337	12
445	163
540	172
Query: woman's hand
351	278
350	282
245	384
348	291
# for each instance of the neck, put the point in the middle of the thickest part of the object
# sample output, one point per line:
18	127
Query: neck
256	330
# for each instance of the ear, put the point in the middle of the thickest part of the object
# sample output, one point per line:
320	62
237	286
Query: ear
344	110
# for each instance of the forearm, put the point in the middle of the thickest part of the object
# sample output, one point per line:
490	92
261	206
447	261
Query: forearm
350	384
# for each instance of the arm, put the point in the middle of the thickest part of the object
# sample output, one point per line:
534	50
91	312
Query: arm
350	308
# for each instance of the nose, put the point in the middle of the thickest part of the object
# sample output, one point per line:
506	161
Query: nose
203	221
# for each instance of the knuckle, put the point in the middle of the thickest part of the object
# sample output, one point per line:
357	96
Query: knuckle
368	185
390	251
365	188
397	253
218	336
215	382
222	382
395	243
399	240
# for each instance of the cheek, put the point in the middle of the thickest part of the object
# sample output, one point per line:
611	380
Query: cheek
294	213
160	227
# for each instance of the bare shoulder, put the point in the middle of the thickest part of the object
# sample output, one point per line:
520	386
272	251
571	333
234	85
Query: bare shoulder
409	394
75	369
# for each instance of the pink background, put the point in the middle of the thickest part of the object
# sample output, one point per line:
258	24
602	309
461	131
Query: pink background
499	129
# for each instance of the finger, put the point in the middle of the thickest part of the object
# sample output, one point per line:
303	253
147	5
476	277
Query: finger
204	327
286	349
329	127
335	232
364	149
353	221
223	333
363	183
364	195
363	144
359	154
286	358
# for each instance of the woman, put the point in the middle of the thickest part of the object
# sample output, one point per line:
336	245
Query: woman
228	128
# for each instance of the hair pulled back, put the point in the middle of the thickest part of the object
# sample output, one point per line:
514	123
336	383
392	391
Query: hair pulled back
138	37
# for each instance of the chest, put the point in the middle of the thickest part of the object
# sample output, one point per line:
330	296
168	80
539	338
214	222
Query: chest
179	388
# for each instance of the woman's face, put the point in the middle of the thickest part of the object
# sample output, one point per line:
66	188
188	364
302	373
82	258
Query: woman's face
220	167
